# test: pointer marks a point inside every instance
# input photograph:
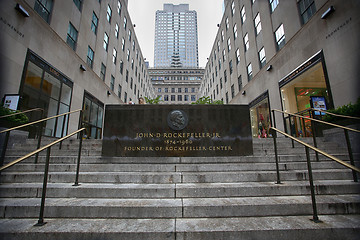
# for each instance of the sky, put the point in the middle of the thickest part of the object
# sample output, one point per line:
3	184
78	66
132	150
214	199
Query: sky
209	14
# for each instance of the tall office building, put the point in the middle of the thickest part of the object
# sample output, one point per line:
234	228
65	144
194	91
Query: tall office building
176	42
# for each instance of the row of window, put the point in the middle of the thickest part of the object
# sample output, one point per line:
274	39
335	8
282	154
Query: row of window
179	90
179	98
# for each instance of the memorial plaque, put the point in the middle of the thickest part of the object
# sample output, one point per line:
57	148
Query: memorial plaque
176	130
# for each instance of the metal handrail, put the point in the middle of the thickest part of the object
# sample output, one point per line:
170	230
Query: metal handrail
336	115
7	131
317	120
39	121
30	110
46	171
311	182
346	129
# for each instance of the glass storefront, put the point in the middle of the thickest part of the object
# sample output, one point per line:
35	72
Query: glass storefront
260	117
93	113
45	87
296	92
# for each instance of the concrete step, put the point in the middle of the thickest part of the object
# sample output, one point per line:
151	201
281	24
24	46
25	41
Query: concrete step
180	190
179	208
206	167
334	227
176	177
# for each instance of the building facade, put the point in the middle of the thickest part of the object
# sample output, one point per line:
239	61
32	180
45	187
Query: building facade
176	85
283	55
68	55
176	41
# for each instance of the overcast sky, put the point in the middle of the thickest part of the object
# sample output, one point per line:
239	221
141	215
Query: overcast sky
209	14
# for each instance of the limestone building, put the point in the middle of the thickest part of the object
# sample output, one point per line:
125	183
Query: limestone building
176	85
68	55
284	55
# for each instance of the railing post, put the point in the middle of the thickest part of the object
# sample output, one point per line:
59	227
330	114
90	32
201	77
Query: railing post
313	129
292	141
62	131
6	140
78	160
313	200
350	154
43	197
276	159
39	140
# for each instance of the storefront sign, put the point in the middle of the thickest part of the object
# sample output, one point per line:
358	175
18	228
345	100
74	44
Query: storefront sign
176	130
11	102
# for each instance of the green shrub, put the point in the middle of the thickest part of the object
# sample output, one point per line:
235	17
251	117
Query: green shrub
350	109
18	119
208	100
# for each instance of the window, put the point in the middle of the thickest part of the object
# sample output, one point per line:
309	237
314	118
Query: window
227	97
186	97
230	67
273	4
106	41
193	98
108	13
243	14
125	97
179	98
172	97
72	36
222	35
133	45
129	35
132	64
218	45
116	30
249	71
121	66
229	44
93	113
112	82
119	7
102	71
225	76
307	10
227	23
125	22
262	57
240	82
44	8
119	91
232	91
179	90
280	37
90	57
224	56
114	56
221	83
235	31
131	83
246	42
186	90
123	44
219	64
166	98
192	90
257	24
128	55
233	8
94	23
78	4
166	90
127	76
159	89
237	52
172	90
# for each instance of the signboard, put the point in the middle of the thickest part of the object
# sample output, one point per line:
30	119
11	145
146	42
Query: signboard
318	103
11	101
176	130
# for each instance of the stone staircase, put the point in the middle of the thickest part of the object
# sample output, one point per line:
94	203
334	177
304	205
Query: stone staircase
179	198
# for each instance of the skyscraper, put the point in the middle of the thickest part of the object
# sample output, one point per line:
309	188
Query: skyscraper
176	42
